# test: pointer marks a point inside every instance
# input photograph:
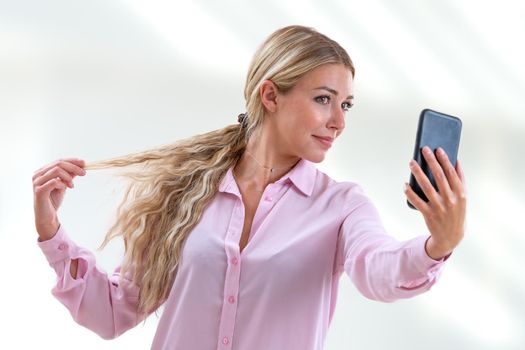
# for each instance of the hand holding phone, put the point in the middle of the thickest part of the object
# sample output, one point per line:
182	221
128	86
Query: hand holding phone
440	181
434	130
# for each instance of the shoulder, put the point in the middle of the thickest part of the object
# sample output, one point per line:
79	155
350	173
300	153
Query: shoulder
346	194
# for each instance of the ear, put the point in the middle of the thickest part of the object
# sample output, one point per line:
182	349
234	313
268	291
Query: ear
268	92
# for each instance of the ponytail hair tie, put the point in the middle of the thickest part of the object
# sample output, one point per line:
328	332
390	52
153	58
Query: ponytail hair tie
241	118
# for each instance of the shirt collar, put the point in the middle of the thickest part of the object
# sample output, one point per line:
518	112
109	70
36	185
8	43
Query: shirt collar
302	175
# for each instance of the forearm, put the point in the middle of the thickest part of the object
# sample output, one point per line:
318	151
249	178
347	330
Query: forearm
46	231
73	268
389	270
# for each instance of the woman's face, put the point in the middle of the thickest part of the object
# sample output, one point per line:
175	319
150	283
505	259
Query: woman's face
310	116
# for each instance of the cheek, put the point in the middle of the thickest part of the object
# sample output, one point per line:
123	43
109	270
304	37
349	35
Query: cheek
313	117
304	119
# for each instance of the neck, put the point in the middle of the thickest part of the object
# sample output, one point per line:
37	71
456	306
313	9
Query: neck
262	162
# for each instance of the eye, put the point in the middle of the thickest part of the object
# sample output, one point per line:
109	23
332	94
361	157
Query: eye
323	99
346	106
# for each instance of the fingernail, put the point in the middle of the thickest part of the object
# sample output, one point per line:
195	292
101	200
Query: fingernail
441	151
411	163
405	187
426	149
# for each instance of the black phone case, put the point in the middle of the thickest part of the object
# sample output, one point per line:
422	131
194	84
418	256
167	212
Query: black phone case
435	130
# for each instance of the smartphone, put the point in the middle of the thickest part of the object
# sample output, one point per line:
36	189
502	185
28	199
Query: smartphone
434	130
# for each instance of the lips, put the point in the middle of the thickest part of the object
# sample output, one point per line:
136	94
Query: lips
325	140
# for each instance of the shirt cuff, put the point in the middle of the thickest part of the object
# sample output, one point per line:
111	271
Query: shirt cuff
57	248
421	259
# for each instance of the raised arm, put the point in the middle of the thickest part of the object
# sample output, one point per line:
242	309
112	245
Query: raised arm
106	305
381	267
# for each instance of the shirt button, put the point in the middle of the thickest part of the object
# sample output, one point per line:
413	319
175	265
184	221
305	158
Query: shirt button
231	299
235	261
225	340
62	246
268	198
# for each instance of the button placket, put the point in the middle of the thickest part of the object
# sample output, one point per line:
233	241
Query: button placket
232	277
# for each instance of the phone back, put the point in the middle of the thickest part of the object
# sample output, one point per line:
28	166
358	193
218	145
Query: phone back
435	130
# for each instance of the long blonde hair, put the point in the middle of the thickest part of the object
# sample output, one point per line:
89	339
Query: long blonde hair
171	185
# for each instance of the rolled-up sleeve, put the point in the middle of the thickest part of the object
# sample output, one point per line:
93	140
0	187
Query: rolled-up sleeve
105	305
381	267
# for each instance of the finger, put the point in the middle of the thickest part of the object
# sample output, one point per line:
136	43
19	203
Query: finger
437	172
65	162
54	173
461	176
460	172
415	200
423	181
74	166
42	192
79	162
452	176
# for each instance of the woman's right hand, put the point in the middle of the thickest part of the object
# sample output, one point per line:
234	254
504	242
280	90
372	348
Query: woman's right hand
49	187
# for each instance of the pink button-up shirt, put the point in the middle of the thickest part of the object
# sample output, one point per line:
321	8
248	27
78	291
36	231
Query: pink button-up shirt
280	292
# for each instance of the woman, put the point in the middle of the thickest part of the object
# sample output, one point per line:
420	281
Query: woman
237	233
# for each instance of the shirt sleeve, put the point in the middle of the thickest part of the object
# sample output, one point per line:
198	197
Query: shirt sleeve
105	305
381	267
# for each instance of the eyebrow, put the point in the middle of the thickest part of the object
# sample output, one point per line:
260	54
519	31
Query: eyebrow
332	91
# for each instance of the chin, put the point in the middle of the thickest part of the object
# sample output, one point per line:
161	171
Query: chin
315	158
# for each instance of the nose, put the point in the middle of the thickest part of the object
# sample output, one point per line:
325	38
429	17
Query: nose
337	120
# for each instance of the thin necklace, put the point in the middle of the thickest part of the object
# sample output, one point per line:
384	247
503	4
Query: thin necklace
272	169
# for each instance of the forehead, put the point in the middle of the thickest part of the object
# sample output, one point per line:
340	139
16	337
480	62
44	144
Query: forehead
335	76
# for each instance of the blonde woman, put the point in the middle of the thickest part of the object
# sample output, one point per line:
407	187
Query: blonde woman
236	233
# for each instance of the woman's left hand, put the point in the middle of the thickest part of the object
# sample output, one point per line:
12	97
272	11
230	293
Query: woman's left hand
445	210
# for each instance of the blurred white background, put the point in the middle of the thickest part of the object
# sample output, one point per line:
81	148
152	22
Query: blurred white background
100	79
